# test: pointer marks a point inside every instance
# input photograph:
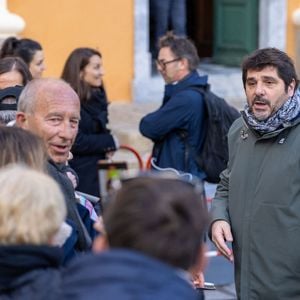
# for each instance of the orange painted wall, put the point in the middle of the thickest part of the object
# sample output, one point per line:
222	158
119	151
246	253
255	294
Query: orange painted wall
292	5
62	25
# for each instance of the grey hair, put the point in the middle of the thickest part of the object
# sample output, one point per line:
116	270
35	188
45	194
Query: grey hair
30	94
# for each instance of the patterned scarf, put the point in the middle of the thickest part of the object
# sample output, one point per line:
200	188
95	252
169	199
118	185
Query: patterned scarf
286	113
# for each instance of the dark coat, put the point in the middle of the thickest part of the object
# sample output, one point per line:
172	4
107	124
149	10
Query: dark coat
123	274
30	273
75	213
182	108
259	196
92	142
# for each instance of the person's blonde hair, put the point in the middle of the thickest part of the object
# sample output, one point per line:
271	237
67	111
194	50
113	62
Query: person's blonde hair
32	207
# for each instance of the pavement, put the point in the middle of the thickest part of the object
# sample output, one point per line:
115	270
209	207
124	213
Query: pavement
124	121
226	292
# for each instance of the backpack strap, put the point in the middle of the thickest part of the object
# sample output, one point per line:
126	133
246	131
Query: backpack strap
183	135
188	150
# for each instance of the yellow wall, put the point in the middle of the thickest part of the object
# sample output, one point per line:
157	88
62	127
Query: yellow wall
62	25
291	29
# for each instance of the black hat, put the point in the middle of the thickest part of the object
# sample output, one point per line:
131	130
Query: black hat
13	91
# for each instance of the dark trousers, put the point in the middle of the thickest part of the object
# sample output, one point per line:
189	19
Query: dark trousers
166	15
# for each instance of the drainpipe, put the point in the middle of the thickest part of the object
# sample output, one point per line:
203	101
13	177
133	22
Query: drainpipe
10	23
296	21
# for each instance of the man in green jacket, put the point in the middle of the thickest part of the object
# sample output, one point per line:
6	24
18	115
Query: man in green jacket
257	203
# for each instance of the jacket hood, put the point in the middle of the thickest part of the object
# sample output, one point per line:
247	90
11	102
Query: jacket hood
191	80
18	261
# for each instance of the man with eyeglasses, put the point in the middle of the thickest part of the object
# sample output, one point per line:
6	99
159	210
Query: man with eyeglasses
182	109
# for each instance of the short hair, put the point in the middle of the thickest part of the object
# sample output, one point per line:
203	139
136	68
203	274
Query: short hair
32	207
274	57
23	147
9	64
160	217
24	48
182	47
37	87
78	59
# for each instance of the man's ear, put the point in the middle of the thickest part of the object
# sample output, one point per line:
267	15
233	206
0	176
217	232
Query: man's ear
184	63
21	119
100	244
291	88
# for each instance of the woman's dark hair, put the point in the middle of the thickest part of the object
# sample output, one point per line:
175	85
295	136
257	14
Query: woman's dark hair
8	64
76	62
24	48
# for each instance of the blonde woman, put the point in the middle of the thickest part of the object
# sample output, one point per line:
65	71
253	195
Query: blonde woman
32	210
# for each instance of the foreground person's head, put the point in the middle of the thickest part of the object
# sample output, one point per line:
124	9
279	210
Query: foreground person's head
162	218
32	207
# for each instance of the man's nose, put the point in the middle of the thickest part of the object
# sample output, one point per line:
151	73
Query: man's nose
259	89
67	131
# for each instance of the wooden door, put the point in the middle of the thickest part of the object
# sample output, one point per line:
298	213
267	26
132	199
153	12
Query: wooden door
235	30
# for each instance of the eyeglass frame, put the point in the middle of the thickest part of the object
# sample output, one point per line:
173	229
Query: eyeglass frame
163	64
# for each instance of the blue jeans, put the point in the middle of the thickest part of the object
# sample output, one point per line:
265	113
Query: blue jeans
167	15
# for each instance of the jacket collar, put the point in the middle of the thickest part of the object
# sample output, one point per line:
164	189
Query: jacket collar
274	133
18	260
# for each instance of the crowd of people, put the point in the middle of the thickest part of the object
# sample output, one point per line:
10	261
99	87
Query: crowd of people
52	135
149	241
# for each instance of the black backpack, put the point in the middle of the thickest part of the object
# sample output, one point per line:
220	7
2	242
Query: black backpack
212	158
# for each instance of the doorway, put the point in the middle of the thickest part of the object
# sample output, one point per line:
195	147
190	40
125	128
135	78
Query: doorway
224	31
200	26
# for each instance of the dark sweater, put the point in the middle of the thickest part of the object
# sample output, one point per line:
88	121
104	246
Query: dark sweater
92	142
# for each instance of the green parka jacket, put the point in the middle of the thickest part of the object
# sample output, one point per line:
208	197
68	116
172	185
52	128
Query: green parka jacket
259	195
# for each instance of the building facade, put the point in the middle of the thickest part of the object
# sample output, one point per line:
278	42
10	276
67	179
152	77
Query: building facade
120	30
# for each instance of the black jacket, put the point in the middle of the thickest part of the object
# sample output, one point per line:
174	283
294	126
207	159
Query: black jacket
56	171
92	142
30	273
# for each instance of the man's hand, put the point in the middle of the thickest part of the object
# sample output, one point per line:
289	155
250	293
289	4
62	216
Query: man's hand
221	233
198	280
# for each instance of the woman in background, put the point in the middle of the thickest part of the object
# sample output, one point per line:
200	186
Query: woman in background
13	71
29	50
19	146
14	74
83	70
